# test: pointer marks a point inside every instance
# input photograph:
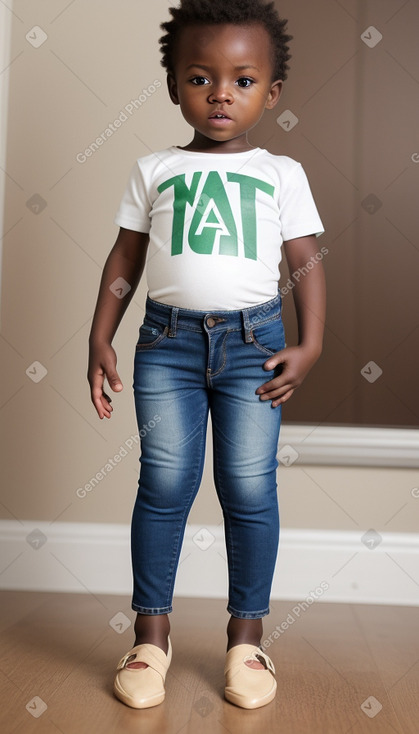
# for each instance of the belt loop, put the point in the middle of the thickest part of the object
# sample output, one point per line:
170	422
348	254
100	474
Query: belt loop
248	335
173	321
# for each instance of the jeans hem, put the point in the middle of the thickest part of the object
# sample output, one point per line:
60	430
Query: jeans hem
151	610
248	615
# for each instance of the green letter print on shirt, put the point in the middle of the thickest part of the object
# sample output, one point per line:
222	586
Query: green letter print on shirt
213	217
182	196
248	186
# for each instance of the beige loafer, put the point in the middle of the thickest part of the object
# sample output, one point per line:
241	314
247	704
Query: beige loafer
142	687
247	687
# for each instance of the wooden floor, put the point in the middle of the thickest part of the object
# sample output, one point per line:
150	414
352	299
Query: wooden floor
341	668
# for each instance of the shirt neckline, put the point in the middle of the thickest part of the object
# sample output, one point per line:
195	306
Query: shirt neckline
243	153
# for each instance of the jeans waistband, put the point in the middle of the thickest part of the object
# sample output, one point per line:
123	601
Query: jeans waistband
215	320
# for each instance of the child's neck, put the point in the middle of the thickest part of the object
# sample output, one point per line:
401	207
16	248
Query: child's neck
202	144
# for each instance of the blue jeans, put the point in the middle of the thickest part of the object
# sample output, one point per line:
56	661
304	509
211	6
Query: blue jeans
187	363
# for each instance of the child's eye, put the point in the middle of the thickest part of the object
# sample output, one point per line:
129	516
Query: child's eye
199	81
244	82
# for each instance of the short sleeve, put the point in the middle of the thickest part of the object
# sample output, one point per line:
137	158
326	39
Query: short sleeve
297	210
134	209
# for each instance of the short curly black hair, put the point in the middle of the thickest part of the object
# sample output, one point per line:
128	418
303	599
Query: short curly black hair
237	12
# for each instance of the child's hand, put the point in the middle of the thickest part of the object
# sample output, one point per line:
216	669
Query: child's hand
102	363
297	362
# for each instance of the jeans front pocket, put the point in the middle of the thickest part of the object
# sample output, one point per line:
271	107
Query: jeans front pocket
269	337
151	334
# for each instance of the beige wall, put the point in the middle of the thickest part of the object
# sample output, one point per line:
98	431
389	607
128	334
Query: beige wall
96	59
358	108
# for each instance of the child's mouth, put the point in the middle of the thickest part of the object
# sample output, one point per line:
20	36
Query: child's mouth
219	118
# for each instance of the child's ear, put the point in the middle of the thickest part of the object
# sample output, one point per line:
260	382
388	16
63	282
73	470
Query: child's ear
172	87
274	94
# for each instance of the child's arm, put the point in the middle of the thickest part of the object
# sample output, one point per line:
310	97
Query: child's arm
310	305
126	260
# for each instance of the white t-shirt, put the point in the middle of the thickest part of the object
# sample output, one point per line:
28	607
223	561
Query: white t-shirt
216	223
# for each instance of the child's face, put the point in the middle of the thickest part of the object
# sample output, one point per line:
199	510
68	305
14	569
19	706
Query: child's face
224	69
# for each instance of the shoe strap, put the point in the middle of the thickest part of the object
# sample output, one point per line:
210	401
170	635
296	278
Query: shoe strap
239	654
257	654
147	653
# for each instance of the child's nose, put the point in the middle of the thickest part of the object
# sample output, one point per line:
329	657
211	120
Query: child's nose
221	93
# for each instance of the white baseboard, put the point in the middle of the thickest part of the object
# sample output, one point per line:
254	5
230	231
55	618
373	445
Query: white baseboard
95	558
349	446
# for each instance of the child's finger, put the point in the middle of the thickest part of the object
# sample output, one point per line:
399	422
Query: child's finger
276	359
276	382
283	399
99	399
103	410
114	380
274	391
103	407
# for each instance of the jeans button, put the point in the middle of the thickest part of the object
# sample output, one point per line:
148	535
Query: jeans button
211	322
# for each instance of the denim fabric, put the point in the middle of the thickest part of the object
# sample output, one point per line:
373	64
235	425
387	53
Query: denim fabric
188	363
